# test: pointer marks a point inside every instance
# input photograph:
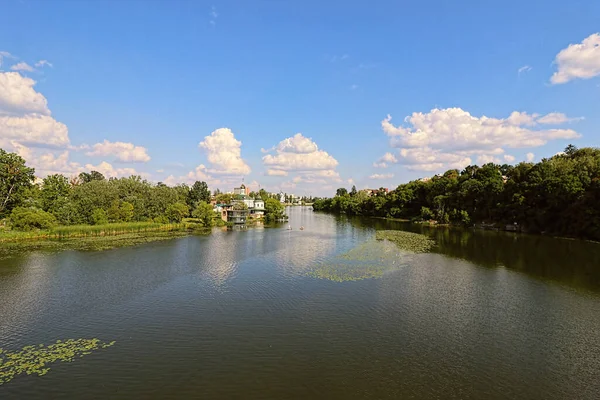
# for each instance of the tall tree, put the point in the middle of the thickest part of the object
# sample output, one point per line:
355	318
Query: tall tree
341	192
86	177
15	178
198	192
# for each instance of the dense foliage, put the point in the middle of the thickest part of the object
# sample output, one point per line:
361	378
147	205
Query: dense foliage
91	199
559	195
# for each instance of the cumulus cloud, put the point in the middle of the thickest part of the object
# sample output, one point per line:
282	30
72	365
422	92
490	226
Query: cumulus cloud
387	158
224	152
109	171
530	157
22	66
381	176
447	138
17	95
126	152
578	61
299	153
508	158
556	118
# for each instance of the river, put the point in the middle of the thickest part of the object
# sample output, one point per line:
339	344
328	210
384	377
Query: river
235	315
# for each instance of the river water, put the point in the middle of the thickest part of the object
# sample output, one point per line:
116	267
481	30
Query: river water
234	315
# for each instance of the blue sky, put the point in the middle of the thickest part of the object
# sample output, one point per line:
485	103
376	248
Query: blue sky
153	79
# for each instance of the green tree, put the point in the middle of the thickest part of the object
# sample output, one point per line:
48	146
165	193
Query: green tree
126	211
198	192
26	219
86	177
341	192
204	212
353	191
274	210
15	178
54	189
176	212
99	217
224	198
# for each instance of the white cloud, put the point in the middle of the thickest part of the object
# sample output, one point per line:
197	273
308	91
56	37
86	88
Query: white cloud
447	138
530	157
384	160
224	152
34	129
22	66
508	158
43	63
299	153
556	118
578	61
381	176
126	152
350	181
525	68
109	171
49	163
17	95
428	159
3	55
276	172
488	158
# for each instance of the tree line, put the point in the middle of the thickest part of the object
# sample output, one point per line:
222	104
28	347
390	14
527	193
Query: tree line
90	198
559	195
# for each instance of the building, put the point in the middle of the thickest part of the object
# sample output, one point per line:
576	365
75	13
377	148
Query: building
242	190
374	192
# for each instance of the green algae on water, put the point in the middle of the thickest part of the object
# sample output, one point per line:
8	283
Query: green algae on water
407	241
368	260
35	359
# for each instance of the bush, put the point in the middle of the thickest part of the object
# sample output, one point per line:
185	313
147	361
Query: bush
99	217
27	219
161	219
176	212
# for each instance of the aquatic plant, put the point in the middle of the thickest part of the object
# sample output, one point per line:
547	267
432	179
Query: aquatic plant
368	260
35	359
408	241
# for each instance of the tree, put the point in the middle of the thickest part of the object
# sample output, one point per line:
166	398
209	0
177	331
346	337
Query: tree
204	212
15	178
353	191
54	189
224	198
341	192
26	219
274	210
126	211
92	176
570	150
176	212
198	192
99	217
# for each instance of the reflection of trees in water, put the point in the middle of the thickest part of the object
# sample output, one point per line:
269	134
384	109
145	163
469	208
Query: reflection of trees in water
573	262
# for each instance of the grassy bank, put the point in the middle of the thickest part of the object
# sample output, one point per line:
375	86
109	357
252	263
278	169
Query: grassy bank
93	237
85	231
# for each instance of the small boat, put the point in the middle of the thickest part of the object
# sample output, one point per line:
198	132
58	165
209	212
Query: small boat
289	228
301	228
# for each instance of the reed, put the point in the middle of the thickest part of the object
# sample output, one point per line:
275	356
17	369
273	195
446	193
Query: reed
75	231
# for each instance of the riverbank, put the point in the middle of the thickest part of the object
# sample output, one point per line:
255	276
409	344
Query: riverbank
94	237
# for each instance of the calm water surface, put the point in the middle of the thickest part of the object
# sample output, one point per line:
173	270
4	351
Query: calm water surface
234	316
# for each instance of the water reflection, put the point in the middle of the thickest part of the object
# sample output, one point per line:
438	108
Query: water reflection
572	262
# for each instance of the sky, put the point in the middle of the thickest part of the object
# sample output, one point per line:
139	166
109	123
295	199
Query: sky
295	96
